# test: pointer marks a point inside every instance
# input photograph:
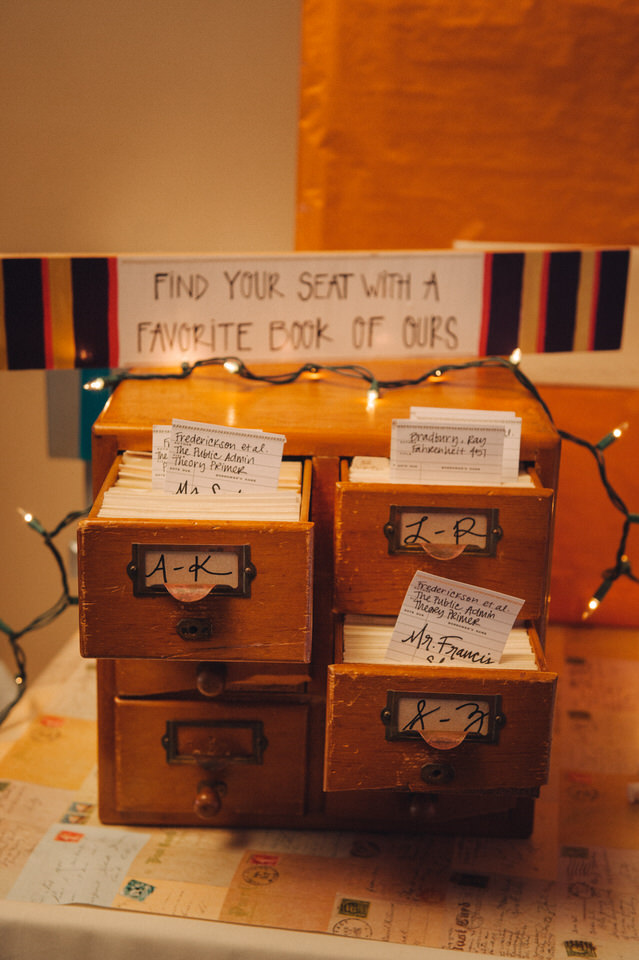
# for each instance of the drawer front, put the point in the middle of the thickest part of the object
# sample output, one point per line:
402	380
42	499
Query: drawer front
393	729
209	762
211	679
267	618
384	533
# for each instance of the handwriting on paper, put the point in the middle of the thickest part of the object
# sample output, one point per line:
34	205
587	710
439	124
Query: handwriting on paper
206	458
84	864
299	306
425	451
443	621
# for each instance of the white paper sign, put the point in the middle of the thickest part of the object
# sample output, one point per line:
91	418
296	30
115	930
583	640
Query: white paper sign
299	307
207	459
445	622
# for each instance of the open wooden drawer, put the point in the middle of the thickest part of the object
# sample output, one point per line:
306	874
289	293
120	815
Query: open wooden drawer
196	590
498	538
439	729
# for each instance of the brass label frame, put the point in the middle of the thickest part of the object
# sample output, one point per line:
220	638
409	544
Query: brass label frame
454	526
408	713
236	565
176	757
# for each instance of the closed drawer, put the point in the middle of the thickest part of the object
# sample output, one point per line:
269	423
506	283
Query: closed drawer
144	678
215	762
497	538
438	729
133	603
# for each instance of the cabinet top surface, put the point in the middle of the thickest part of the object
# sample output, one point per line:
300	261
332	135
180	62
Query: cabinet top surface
324	414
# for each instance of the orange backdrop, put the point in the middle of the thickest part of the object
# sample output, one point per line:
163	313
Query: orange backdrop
427	121
423	122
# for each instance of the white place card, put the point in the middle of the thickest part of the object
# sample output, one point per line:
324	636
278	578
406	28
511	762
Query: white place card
161	452
446	622
422	451
506	419
205	458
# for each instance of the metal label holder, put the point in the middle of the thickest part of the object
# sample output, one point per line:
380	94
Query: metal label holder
417	529
407	715
156	569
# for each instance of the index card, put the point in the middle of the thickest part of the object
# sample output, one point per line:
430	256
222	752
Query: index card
161	453
503	418
209	459
444	621
423	451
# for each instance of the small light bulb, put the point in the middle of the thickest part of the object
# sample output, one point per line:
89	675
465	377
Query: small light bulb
32	521
612	436
515	357
371	398
231	365
97	384
593	603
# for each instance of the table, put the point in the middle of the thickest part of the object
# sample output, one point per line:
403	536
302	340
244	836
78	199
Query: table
91	890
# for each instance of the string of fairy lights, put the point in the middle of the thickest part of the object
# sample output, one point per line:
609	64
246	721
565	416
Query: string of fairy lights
375	387
65	600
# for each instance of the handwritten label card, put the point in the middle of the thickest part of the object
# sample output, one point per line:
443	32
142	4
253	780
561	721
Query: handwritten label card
206	458
421	452
464	446
443	621
160	455
505	419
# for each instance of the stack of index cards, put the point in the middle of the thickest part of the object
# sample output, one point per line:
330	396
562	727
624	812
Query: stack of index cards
133	496
378	470
366	640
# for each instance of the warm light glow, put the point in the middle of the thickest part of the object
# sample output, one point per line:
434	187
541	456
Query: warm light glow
231	365
97	384
612	436
515	356
27	517
593	603
371	398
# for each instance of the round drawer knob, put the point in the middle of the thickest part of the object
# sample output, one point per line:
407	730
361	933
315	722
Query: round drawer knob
208	801
210	679
437	773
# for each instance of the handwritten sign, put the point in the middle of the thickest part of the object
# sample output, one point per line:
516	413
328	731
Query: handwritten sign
299	307
206	458
445	622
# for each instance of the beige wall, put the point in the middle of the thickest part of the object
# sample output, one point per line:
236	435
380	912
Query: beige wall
132	126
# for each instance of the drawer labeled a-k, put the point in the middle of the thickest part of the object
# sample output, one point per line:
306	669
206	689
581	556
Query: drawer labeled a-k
232	590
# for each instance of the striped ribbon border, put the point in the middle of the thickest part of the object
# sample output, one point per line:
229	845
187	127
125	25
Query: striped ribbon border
62	312
58	312
554	301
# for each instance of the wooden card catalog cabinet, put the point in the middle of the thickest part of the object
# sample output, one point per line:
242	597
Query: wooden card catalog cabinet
241	673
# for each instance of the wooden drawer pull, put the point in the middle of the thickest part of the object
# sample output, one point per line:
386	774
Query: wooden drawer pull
210	679
208	801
